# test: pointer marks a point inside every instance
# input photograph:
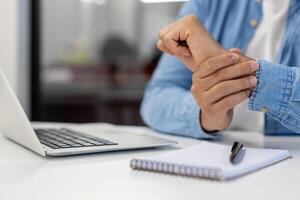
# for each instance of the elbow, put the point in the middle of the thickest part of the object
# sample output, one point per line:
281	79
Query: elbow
145	111
148	109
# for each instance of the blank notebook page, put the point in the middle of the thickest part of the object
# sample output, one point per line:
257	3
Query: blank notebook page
209	160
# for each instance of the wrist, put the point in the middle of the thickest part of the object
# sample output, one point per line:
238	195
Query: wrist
215	50
206	123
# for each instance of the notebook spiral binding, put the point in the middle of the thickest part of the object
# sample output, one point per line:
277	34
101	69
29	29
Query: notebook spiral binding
171	168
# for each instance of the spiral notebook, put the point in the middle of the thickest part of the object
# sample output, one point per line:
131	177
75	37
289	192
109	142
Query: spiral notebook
209	160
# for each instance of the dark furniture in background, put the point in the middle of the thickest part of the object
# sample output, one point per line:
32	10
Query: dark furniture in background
105	90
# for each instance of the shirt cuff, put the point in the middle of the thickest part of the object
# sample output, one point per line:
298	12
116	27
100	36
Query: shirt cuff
273	91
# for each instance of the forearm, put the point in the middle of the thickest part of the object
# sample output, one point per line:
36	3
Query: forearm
172	109
278	93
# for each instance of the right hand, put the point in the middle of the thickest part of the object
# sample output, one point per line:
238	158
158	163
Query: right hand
188	40
219	84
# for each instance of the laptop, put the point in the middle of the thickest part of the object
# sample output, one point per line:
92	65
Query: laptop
63	141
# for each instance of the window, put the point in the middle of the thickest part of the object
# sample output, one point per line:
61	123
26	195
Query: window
95	57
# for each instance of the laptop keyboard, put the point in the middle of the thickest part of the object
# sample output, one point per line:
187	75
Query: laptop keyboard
66	138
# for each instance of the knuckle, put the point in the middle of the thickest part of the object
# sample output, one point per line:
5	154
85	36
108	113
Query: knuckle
191	18
205	66
159	45
196	92
164	37
201	105
245	68
160	34
244	83
193	89
194	78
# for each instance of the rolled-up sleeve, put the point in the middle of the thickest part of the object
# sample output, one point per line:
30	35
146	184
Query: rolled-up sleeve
168	105
278	93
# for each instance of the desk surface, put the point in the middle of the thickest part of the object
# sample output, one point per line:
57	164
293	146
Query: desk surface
25	175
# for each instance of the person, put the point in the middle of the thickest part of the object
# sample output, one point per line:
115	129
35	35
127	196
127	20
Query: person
204	84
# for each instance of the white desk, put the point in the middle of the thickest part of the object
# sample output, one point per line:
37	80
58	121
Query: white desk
25	175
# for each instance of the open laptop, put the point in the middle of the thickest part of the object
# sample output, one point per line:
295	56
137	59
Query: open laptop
15	125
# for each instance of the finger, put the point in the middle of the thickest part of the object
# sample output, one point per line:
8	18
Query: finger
226	88
188	61
235	50
170	40
231	101
213	64
166	30
232	72
160	45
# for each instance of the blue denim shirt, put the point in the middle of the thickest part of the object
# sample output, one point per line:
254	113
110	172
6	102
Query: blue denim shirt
168	105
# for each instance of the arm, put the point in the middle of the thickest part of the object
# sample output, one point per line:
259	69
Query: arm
190	42
278	93
168	105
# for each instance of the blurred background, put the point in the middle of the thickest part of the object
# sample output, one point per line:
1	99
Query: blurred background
82	60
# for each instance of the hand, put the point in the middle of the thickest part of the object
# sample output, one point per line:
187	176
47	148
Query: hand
189	41
219	84
216	87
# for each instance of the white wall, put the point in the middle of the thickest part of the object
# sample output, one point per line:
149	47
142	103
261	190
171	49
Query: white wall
14	48
153	18
137	22
59	25
9	39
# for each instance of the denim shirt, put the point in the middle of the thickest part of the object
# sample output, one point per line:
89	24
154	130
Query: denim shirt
168	105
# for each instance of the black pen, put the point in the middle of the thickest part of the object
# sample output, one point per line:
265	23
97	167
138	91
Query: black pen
237	153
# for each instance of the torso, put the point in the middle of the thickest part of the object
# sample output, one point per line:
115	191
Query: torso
264	44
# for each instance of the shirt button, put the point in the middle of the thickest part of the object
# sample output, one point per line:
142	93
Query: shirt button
264	109
253	22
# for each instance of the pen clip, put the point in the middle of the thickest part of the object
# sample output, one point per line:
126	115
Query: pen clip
237	153
234	145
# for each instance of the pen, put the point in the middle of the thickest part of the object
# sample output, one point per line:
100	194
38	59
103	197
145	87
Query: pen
237	153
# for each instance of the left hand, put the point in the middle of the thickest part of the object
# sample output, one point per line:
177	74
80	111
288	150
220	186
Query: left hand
218	85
